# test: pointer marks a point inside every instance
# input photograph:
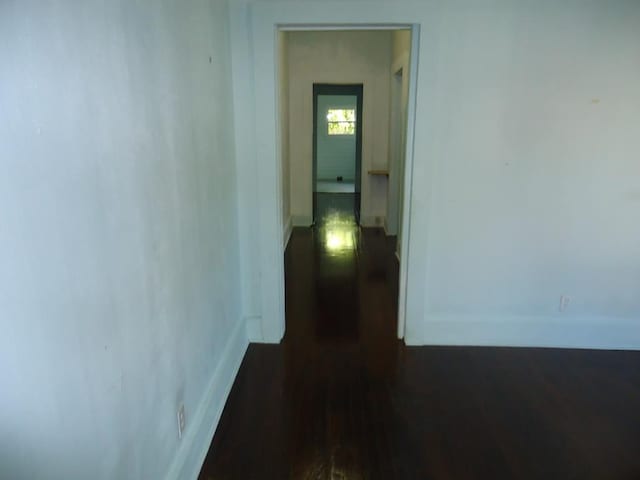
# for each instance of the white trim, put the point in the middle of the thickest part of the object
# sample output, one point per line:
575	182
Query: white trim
267	158
254	328
263	22
288	228
386	227
559	331
202	425
347	26
247	184
408	181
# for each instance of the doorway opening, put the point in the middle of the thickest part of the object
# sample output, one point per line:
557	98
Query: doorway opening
344	115
337	146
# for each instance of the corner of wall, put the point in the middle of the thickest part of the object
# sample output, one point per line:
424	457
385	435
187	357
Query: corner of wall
288	228
301	220
195	444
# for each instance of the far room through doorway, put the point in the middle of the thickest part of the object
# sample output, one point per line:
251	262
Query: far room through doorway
337	146
343	99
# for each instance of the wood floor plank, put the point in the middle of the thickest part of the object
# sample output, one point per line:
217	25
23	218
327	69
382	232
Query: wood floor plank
341	398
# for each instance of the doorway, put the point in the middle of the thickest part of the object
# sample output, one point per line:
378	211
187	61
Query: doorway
337	146
286	199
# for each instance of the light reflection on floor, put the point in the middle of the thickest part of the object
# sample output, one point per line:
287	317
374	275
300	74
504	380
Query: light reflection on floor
336	252
338	231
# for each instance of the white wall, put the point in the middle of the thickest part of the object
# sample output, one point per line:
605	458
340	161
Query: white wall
525	175
119	285
536	191
347	57
336	154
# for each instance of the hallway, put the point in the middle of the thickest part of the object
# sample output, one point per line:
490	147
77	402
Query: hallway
312	402
341	398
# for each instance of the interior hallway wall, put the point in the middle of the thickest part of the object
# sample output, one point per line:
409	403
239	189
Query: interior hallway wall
119	285
339	57
401	49
534	127
283	99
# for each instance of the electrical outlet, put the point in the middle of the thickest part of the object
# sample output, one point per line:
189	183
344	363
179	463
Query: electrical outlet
564	302
181	421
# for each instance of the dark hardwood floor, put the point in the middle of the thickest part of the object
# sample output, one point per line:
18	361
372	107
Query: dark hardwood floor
341	398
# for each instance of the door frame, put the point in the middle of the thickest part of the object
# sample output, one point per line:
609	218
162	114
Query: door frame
356	90
256	28
405	220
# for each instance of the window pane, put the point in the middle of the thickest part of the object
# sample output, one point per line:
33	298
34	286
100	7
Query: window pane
341	115
342	128
341	121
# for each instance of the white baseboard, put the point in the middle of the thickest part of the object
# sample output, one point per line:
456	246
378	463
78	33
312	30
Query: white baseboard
559	331
387	230
301	220
288	228
195	444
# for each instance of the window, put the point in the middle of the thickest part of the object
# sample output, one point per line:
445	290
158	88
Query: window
341	122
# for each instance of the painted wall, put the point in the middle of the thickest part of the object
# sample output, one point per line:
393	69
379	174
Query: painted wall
283	99
400	44
119	286
399	72
336	154
355	57
536	191
525	181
